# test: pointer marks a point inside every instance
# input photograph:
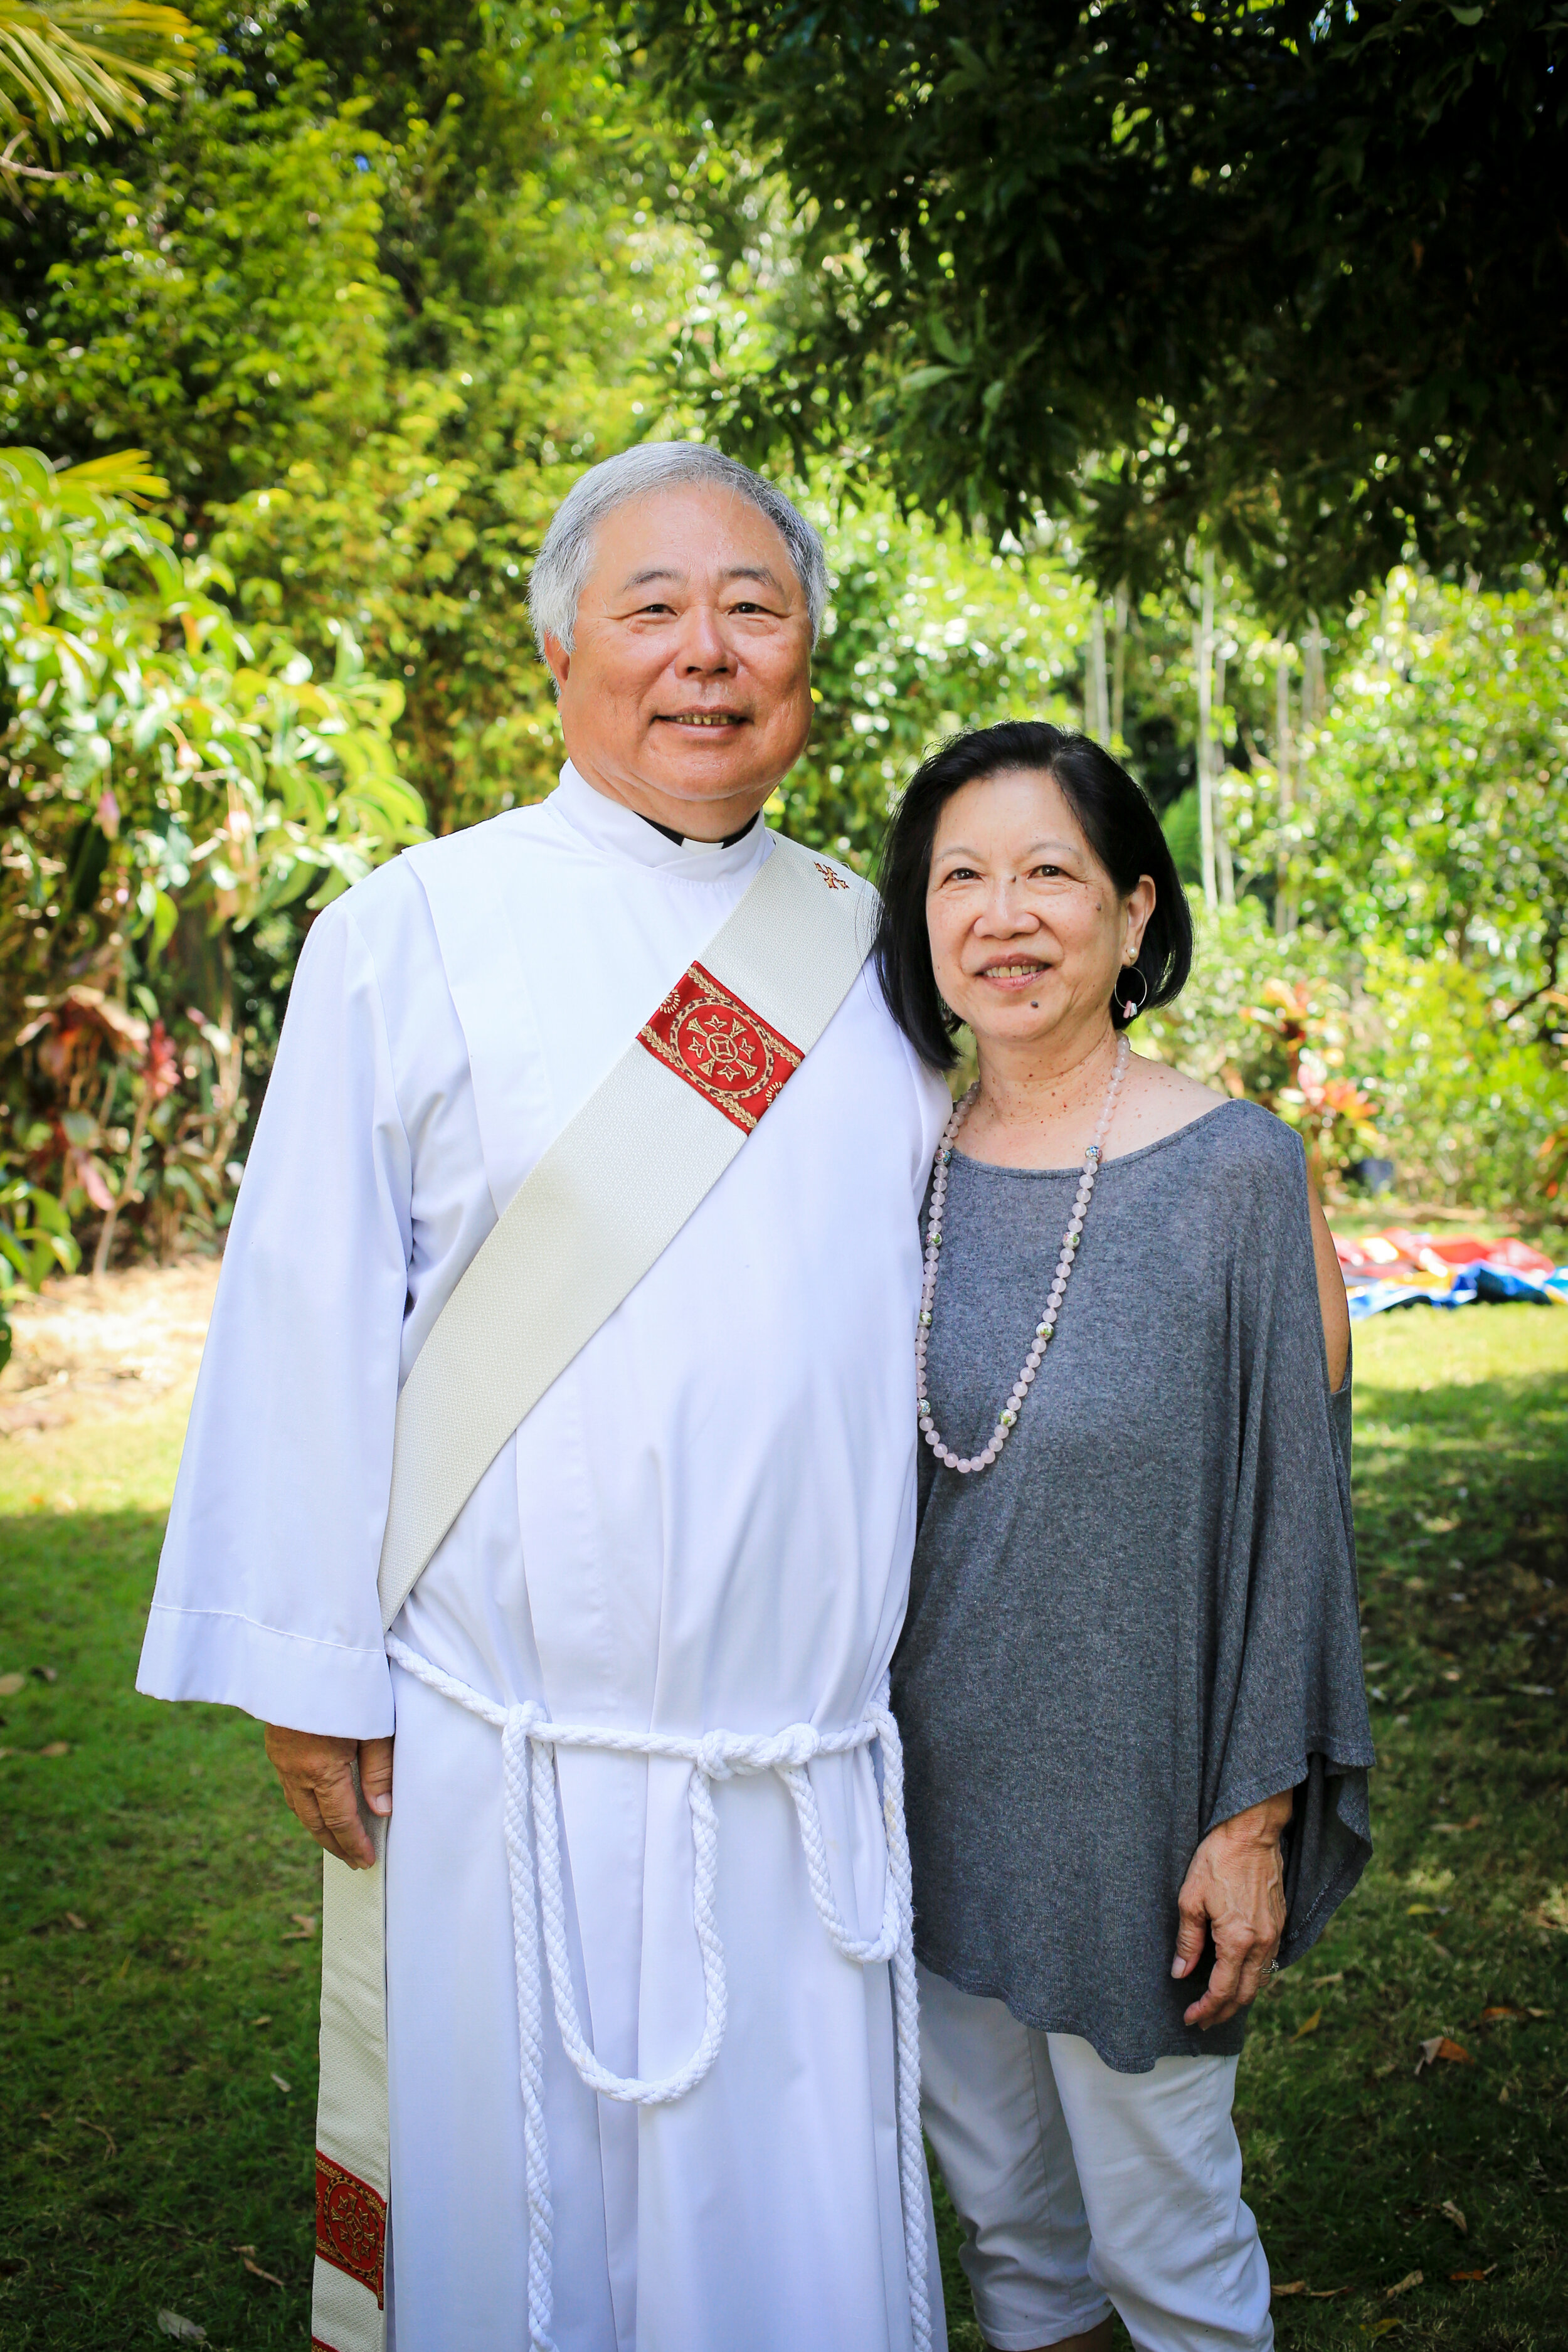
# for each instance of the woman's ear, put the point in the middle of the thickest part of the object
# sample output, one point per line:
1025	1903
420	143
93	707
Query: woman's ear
1137	908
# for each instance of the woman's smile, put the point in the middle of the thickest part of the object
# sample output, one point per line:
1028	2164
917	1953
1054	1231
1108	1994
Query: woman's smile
1017	974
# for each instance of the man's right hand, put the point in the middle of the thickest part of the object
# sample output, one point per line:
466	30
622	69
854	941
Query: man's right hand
317	1773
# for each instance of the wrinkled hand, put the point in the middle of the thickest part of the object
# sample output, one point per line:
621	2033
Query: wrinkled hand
317	1773
1235	1891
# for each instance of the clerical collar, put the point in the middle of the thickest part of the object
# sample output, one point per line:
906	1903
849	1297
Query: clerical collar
684	841
620	832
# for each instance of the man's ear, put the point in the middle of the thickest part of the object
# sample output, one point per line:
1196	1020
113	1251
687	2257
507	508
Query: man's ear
559	659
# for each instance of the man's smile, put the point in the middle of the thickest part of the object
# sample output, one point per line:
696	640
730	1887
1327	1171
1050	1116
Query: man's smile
701	718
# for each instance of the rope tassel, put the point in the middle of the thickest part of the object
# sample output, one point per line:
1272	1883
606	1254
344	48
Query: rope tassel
533	1826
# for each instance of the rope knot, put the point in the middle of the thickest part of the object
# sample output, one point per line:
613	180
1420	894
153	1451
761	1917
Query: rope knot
713	1755
796	1744
522	1722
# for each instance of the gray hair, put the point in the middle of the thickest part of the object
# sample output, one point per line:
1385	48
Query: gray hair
562	564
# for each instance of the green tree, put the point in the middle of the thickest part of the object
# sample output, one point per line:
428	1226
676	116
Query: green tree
372	290
1294	276
1433	805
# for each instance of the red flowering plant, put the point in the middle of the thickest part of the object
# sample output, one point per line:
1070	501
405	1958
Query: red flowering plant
172	793
1298	1075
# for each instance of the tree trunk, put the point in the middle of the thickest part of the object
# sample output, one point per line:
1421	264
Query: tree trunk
1097	709
1225	863
1284	903
1119	668
1203	651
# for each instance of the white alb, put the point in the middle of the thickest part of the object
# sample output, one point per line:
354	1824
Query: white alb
706	1523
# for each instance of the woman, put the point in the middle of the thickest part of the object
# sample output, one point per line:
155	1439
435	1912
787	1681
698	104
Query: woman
1129	1680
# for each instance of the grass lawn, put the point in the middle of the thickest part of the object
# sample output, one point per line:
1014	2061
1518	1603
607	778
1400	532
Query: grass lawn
158	1989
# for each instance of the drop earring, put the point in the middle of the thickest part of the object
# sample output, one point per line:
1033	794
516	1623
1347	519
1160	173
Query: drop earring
1130	1011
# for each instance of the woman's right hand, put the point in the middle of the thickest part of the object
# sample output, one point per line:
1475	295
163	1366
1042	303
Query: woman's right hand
1234	1892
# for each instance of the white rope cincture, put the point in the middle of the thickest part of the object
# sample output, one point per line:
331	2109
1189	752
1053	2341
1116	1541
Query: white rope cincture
532	1826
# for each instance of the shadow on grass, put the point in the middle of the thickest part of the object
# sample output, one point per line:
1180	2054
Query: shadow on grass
148	1877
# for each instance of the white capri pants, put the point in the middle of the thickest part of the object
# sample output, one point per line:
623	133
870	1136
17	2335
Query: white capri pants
1080	2188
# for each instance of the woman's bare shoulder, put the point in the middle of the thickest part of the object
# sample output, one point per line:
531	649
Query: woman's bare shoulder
1157	1101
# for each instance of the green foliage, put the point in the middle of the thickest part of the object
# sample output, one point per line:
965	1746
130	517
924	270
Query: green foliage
67	65
1286	273
214	293
160	769
1435	806
1366	1048
375	290
928	632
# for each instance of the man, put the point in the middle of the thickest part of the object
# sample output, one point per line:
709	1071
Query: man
702	1526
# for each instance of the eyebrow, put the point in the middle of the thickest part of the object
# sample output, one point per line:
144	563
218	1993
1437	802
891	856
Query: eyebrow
736	572
962	849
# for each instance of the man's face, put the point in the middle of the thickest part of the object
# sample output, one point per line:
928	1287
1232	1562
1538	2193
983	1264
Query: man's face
688	694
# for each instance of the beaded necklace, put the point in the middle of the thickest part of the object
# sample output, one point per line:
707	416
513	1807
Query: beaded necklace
1048	1322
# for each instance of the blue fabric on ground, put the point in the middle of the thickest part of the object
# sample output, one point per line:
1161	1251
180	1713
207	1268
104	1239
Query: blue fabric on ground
1471	1283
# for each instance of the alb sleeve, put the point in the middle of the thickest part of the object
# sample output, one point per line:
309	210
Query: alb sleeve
266	1597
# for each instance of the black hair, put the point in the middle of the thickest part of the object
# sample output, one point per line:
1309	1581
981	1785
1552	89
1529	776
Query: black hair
1118	822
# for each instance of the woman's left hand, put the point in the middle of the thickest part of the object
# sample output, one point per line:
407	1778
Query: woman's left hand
1235	1891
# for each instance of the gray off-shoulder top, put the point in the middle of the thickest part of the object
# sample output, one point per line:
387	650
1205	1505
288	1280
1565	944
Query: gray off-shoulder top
1142	1618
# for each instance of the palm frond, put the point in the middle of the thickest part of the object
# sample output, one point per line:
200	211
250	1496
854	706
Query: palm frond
69	64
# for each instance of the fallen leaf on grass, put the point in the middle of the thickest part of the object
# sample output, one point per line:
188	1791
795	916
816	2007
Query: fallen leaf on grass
56	1748
46	1674
1308	2025
281	2082
1338	1977
87	2125
1440	2046
1501	2008
1450	1674
75	1919
1295	2287
1404	2286
257	2272
1325	2294
1464	2276
305	1923
245	2250
174	2323
258	2020
11	1683
1453	2214
1382	2327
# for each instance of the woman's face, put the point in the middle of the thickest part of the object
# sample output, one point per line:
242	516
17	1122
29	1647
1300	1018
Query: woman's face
1027	932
